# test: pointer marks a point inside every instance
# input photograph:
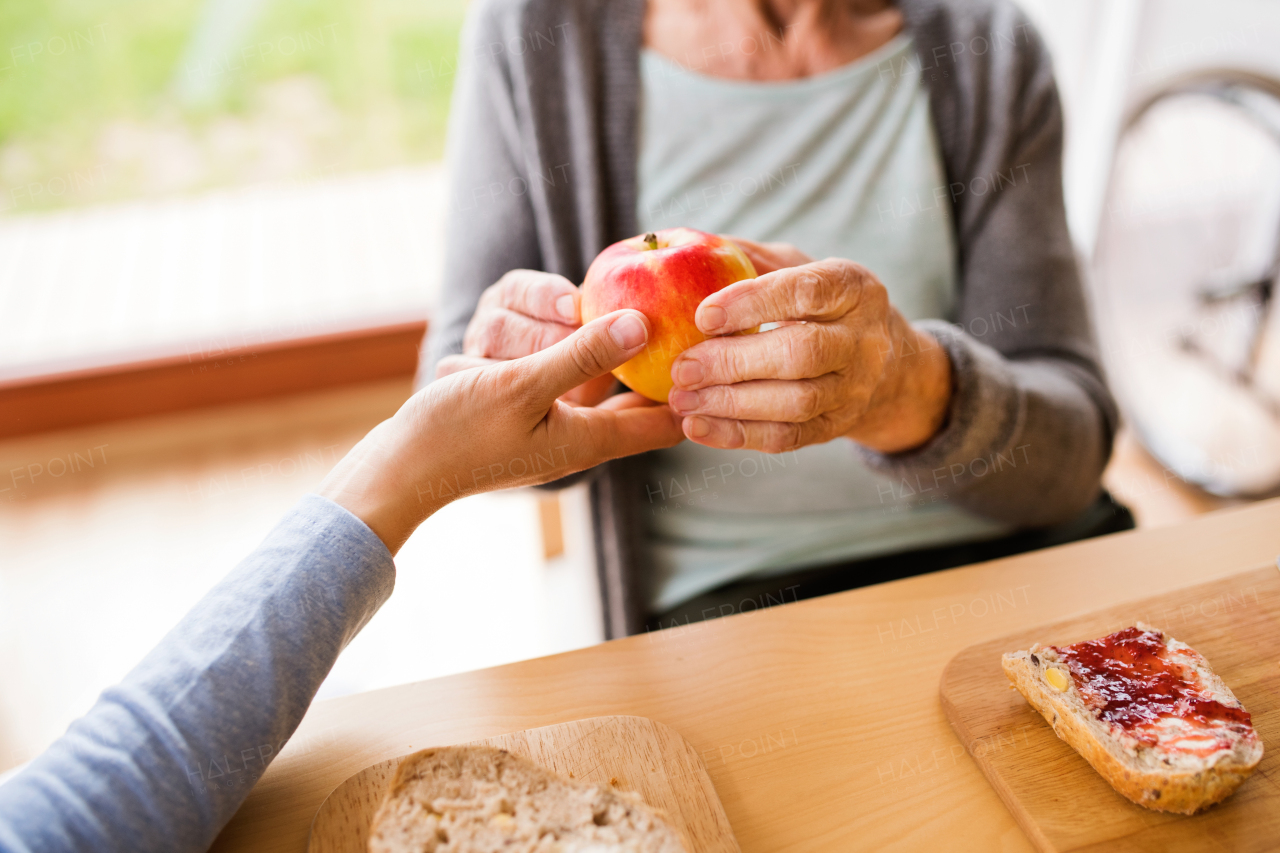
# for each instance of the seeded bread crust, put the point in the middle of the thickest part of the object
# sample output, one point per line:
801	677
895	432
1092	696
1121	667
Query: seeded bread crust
1147	775
475	799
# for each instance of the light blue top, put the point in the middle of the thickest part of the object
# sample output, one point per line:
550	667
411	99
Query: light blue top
164	758
842	164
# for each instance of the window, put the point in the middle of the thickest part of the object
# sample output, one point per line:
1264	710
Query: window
182	179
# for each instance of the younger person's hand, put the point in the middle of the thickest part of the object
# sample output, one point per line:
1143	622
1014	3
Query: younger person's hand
500	425
525	312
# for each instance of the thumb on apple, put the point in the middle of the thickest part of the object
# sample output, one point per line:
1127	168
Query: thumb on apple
623	425
593	350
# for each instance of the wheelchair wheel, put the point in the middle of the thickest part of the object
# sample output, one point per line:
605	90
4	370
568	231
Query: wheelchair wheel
1184	273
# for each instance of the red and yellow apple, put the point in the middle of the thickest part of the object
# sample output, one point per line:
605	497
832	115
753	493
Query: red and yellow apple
665	275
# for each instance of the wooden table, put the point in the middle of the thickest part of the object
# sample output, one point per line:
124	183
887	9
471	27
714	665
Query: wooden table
819	721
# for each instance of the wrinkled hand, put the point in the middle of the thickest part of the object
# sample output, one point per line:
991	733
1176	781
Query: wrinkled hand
769	257
524	313
500	425
844	362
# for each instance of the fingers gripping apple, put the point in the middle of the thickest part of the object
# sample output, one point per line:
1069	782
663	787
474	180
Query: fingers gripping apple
665	275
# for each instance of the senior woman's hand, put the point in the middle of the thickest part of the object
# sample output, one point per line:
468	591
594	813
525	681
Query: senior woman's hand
844	362
497	426
525	312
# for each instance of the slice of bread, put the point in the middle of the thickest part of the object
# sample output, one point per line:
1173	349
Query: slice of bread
1174	756
476	799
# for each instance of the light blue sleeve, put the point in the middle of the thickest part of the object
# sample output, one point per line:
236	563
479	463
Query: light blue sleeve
163	759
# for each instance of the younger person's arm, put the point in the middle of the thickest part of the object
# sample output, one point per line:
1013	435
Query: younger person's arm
164	759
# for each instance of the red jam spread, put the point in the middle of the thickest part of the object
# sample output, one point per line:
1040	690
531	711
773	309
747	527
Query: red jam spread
1129	679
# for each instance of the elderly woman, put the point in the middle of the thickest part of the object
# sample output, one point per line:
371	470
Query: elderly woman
931	391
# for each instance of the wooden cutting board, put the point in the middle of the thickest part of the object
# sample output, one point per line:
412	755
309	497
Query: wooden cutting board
631	753
1060	802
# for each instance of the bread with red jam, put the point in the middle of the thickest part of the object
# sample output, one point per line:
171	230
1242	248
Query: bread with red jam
1147	712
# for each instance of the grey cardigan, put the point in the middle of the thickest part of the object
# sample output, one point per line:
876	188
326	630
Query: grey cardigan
543	150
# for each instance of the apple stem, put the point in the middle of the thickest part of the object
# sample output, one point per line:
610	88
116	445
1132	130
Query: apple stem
651	239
